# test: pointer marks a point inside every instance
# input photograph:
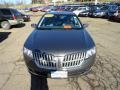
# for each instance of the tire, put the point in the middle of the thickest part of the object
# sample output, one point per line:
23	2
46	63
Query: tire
5	25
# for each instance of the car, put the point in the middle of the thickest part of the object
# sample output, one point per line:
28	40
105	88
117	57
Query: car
34	9
51	8
26	17
111	10
68	8
9	17
47	8
61	8
26	9
84	13
115	16
74	7
97	11
59	47
81	9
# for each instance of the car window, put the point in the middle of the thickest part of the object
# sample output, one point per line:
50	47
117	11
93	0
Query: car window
6	11
82	8
15	12
59	21
113	7
104	8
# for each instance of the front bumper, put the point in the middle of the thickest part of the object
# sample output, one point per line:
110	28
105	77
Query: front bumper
98	15
27	18
15	22
71	72
83	14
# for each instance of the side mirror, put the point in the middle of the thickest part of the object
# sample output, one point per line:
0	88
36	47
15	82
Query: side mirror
85	25
33	25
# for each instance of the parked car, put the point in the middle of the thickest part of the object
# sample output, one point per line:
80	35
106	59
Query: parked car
84	13
61	8
97	11
59	47
9	17
74	7
47	8
67	8
52	8
40	8
26	9
81	9
26	17
111	10
115	16
34	9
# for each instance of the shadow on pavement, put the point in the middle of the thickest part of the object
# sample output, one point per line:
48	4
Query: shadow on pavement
18	26
38	83
4	35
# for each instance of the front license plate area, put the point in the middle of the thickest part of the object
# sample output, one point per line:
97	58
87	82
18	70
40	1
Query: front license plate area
59	74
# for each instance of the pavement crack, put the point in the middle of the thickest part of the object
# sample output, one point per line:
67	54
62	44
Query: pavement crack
74	83
10	74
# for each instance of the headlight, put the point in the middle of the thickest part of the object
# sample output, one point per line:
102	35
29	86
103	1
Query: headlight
102	12
25	16
90	52
27	52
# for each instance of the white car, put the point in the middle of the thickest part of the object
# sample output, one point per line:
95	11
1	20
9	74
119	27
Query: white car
80	9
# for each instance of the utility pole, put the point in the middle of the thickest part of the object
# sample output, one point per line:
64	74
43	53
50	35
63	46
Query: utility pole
96	1
54	1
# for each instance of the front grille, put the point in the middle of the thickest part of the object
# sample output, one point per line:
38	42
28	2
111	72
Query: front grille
48	61
73	60
44	60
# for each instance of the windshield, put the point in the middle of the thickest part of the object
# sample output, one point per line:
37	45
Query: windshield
59	21
113	7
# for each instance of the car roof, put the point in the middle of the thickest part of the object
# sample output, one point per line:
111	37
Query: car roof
7	9
60	12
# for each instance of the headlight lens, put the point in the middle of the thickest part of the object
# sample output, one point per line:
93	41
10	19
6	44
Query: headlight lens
28	52
25	16
101	12
90	52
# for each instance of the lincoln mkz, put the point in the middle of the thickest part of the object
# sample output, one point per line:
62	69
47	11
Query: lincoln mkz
59	47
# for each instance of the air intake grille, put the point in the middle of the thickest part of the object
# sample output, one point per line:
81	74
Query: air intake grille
44	60
48	61
73	60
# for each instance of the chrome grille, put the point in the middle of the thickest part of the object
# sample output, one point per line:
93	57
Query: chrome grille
73	60
49	61
44	60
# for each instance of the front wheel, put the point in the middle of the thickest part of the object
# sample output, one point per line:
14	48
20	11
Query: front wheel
5	25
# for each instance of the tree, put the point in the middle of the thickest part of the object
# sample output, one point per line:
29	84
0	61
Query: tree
40	1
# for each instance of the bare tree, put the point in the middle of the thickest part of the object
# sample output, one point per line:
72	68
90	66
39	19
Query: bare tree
40	1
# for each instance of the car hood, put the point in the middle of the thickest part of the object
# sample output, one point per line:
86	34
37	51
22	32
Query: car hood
58	41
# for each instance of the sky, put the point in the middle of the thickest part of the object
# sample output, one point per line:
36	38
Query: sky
16	1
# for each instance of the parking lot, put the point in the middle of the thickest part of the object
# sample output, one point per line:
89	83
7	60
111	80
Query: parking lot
105	74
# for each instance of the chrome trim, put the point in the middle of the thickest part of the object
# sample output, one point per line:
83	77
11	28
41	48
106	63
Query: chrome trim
49	61
73	60
43	60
